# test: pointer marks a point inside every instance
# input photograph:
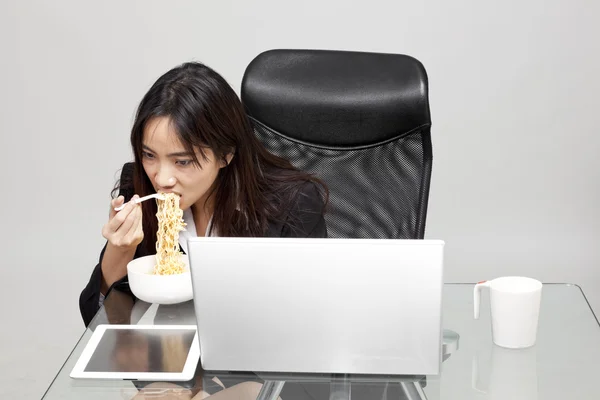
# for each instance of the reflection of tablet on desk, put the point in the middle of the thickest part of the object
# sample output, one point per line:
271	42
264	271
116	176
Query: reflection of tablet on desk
140	352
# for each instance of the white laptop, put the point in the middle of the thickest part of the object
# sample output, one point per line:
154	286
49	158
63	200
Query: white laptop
360	306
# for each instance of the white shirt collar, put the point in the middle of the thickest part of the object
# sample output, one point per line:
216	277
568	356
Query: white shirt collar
190	229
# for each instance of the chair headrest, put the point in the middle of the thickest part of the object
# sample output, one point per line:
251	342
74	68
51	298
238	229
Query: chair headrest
337	98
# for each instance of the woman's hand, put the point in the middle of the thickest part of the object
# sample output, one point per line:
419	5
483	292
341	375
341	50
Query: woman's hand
124	232
124	228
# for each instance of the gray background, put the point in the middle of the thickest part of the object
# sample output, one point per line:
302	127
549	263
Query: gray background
515	133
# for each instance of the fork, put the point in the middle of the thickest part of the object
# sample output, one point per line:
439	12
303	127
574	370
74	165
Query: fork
150	196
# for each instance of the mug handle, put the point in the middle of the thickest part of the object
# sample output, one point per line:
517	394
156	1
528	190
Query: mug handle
477	296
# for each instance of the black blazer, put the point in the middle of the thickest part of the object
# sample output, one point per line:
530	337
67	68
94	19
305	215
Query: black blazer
303	219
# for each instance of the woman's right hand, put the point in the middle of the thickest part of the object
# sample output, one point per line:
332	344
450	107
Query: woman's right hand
124	232
124	228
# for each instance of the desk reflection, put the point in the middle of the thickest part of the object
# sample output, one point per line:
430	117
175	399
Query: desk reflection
506	373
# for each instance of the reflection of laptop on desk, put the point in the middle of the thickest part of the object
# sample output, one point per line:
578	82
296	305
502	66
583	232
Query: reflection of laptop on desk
362	306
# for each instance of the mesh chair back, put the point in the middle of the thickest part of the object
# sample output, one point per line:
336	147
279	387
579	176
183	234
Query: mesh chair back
358	121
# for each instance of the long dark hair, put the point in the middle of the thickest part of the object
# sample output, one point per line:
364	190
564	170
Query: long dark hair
255	188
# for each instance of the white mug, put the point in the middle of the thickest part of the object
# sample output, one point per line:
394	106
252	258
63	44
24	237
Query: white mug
515	306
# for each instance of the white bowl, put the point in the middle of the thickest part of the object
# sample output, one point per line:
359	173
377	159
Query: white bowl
159	289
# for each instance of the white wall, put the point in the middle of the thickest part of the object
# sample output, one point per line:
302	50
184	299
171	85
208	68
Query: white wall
515	133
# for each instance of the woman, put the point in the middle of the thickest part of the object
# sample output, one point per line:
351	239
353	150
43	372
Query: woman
191	136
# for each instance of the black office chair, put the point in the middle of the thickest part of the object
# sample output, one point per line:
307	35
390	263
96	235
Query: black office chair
360	122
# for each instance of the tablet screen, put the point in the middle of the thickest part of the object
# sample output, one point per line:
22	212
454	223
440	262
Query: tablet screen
141	350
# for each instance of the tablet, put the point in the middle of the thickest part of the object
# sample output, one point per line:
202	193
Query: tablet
140	352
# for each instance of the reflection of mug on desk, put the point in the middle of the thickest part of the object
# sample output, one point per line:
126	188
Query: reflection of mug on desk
511	374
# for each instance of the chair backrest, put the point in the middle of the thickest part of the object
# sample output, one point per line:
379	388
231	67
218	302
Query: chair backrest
360	122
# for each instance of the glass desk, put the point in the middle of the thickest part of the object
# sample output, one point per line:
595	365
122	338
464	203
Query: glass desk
564	364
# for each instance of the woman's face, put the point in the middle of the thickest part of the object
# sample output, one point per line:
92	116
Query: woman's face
171	168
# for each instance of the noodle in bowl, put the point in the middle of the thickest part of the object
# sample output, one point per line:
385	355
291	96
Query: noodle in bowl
159	289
